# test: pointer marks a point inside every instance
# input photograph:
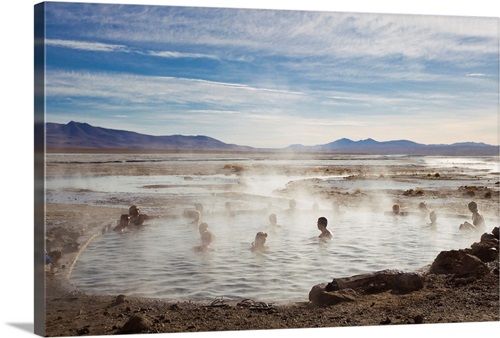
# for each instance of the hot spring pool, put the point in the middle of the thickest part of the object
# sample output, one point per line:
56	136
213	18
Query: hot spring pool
157	260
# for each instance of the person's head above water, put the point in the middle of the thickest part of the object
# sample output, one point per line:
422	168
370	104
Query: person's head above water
395	209
260	238
273	219
134	210
472	206
322	223
432	217
203	227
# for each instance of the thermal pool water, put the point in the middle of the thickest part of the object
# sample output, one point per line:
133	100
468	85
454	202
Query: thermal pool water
158	261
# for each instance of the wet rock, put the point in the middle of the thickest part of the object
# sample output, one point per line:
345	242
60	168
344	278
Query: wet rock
459	263
381	281
345	289
136	324
319	296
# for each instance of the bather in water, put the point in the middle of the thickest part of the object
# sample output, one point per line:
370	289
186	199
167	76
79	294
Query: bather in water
273	220
136	217
123	224
207	238
477	219
258	246
325	233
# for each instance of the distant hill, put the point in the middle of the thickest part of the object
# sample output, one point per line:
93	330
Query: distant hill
76	135
370	146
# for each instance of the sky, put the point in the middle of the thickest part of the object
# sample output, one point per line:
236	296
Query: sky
271	78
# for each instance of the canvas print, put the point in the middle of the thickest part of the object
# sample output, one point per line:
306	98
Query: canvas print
227	169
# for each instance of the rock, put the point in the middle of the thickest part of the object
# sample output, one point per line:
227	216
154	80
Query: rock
319	296
408	282
495	233
488	237
386	321
381	281
120	299
459	263
136	324
418	319
486	251
345	289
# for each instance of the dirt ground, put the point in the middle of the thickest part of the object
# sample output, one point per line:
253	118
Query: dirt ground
70	312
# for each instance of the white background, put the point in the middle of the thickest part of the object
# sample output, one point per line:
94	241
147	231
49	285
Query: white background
16	99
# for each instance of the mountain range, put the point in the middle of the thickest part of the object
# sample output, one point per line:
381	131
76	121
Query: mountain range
82	136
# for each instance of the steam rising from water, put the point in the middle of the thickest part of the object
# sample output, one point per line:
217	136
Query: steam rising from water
365	239
158	260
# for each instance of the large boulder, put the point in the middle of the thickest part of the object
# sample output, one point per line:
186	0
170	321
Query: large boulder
459	263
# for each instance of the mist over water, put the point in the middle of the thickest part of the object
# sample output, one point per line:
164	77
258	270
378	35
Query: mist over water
158	260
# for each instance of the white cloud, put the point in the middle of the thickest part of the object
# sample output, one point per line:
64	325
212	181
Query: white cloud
178	55
85	45
475	75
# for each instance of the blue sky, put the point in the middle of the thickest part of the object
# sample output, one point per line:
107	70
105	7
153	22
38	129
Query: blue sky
271	78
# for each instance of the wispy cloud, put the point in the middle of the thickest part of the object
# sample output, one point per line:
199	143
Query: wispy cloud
85	45
106	47
476	75
178	55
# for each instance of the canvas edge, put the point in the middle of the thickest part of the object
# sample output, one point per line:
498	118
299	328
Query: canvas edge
39	169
